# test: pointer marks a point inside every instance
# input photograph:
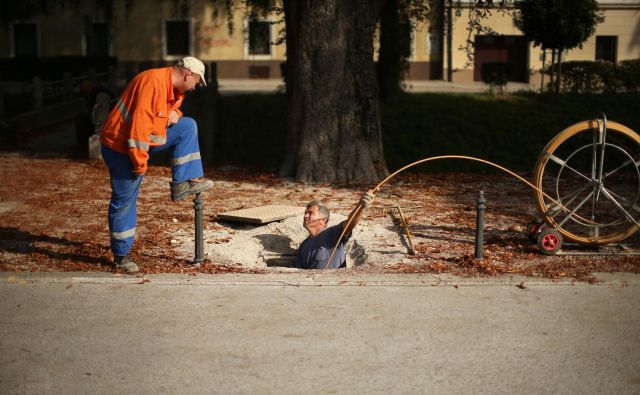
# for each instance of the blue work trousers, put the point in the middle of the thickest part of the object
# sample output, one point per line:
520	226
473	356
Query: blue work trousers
182	138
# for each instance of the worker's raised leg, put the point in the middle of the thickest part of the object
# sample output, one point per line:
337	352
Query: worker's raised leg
186	165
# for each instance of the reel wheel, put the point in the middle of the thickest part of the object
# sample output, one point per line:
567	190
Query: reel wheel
549	241
534	228
588	180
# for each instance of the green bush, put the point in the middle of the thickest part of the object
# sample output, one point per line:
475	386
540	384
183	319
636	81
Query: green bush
52	67
586	76
496	74
628	73
597	77
510	130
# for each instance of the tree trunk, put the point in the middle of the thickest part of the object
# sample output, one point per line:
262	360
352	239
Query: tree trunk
559	73
334	132
390	62
544	58
552	70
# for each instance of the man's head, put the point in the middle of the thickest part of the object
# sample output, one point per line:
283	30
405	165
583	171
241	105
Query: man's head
188	73
316	217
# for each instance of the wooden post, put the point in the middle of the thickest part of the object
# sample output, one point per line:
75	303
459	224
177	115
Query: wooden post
2	112
93	77
37	93
412	251
112	80
68	85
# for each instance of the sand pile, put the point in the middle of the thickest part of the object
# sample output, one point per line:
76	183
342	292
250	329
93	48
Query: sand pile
275	244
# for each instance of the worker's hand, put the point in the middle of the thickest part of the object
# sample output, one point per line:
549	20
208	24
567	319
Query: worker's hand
173	117
367	199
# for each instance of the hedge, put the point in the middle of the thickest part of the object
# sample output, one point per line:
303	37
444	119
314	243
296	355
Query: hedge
597	77
52	68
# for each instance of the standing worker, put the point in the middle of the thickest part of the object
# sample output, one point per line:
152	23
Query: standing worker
147	120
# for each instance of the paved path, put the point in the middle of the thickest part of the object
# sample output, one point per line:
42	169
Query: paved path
243	86
326	333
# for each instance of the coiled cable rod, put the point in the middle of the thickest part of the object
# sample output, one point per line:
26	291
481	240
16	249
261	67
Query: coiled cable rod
430	159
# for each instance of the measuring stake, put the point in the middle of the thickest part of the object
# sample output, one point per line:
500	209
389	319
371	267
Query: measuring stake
197	205
481	205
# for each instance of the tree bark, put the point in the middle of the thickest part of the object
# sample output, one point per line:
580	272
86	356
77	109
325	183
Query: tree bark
390	62
334	132
559	73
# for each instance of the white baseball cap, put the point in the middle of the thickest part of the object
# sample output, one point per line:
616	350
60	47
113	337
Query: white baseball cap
194	65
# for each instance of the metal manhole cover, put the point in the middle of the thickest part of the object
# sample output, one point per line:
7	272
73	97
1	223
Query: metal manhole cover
262	214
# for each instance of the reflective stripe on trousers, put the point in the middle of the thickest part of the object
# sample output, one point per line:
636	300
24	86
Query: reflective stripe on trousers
125	186
182	139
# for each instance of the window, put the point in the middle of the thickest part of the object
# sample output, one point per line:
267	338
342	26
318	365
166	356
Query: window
433	44
25	39
606	48
406	39
177	38
259	40
97	39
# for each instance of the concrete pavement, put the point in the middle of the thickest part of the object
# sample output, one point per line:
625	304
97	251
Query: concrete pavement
243	86
317	333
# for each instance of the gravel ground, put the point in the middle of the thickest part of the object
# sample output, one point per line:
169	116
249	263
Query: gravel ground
53	218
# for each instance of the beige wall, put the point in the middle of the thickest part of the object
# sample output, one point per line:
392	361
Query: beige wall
139	38
624	23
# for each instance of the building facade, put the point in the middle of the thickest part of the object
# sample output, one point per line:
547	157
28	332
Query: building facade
252	47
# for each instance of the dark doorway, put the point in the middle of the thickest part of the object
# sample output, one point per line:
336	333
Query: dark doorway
25	40
508	49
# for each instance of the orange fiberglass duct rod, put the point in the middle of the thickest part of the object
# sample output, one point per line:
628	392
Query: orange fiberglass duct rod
471	158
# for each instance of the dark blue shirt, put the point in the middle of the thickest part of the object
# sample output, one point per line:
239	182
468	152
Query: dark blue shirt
315	251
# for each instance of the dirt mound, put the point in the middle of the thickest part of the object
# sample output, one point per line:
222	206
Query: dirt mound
53	216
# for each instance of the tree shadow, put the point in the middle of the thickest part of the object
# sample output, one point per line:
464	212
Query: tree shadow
277	250
427	232
22	242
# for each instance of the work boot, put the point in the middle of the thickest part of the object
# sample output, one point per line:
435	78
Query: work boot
190	187
126	264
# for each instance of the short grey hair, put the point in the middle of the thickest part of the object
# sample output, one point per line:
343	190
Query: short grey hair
322	209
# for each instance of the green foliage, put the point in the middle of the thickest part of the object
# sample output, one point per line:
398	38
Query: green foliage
596	77
251	130
587	77
559	24
629	74
496	74
11	11
511	130
52	68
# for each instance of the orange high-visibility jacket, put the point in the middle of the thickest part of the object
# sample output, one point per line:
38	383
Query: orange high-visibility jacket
140	117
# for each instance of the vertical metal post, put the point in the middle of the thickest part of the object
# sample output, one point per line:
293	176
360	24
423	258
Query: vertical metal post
481	205
450	41
197	205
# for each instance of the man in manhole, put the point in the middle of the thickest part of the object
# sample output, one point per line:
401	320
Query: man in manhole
316	250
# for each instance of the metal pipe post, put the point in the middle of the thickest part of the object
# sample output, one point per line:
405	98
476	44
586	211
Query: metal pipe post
197	205
481	205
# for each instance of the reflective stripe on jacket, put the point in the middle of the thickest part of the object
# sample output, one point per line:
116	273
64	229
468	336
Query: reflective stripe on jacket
139	118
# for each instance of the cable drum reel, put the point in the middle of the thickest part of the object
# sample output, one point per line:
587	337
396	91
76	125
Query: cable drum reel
592	171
